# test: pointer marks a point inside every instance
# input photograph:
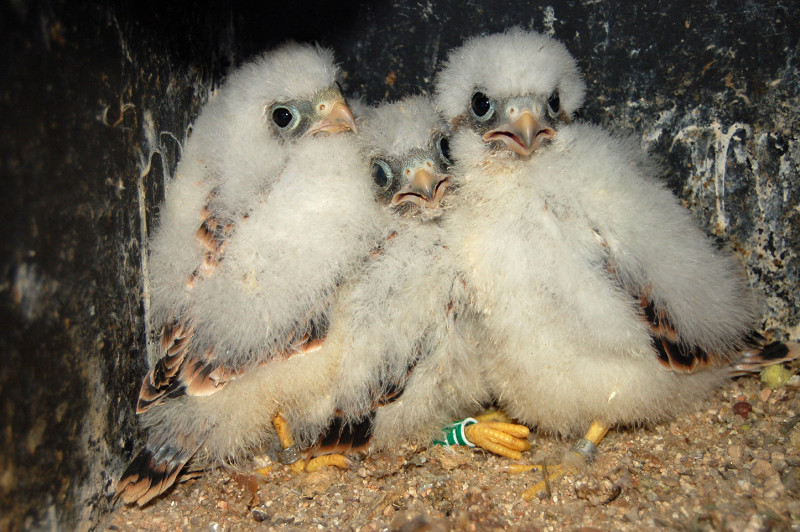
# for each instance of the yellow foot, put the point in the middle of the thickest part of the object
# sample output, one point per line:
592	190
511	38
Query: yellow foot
505	439
291	457
549	474
581	454
317	463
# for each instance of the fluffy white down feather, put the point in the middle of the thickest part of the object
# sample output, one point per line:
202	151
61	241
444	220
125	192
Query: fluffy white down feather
231	151
302	220
537	236
397	129
401	320
405	326
309	208
511	63
284	262
236	422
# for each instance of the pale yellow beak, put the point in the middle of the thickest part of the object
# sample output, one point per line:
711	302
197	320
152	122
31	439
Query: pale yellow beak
335	119
523	136
426	189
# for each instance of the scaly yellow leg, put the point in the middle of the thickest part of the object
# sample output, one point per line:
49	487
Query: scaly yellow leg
583	451
597	431
284	436
326	460
586	447
505	439
291	457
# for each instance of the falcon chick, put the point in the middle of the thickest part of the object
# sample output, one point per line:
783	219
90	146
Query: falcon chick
604	302
268	213
401	348
407	365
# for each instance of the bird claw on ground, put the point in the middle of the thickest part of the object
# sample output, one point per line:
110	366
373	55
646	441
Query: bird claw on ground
501	438
301	465
315	464
550	473
505	439
574	460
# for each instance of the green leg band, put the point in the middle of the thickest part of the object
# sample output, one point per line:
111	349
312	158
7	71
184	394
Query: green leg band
454	434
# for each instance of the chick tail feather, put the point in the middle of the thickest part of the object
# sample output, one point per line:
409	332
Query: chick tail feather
348	436
160	381
760	355
345	436
152	472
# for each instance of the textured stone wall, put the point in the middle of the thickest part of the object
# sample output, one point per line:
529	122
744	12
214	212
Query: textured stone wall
93	107
96	101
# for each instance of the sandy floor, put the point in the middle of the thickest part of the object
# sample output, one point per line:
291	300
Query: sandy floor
710	470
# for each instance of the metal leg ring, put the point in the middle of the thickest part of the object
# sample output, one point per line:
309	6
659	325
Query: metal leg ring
585	448
289	455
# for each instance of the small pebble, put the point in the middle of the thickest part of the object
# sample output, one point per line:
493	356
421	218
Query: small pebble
742	408
756	522
765	394
418	460
762	469
794	437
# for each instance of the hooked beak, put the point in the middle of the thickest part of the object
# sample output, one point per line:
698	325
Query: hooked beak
522	136
426	189
335	119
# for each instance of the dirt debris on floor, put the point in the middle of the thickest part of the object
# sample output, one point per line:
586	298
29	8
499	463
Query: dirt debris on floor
732	465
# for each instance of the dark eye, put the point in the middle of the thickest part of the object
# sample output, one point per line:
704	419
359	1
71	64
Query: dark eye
381	174
444	150
482	107
285	117
554	103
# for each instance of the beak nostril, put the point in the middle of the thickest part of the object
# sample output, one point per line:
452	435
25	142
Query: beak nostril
334	118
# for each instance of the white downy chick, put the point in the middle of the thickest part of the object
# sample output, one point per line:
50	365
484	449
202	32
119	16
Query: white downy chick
603	300
405	368
269	212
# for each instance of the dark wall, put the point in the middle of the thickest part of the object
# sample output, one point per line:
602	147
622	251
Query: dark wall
96	99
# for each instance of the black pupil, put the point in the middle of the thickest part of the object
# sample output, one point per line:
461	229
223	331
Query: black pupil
480	104
554	102
282	116
444	147
379	175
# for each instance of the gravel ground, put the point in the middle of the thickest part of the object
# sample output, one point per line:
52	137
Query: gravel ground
733	465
